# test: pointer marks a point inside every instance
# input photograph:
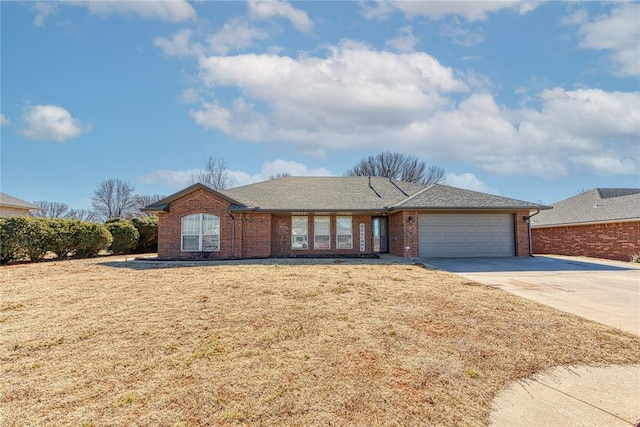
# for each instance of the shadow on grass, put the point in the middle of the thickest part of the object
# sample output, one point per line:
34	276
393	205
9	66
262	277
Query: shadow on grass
151	263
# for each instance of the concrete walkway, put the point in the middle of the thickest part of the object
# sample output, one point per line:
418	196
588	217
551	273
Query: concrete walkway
604	291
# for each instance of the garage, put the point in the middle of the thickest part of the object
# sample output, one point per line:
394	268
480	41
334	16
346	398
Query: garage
466	235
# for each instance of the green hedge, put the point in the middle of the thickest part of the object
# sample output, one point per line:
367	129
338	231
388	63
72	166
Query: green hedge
27	238
147	227
125	236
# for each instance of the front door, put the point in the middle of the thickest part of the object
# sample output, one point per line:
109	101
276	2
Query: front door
380	234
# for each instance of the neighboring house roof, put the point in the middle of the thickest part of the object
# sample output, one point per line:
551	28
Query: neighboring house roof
600	205
336	194
14	202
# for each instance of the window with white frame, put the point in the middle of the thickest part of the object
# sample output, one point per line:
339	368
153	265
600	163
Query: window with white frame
344	232
322	232
299	232
200	232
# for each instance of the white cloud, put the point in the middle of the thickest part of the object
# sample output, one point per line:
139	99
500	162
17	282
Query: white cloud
617	32
405	41
179	44
311	96
276	8
414	104
176	180
468	181
164	10
469	10
235	34
42	10
459	35
51	123
274	168
4	121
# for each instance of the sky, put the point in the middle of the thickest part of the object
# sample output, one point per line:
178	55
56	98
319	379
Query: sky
531	100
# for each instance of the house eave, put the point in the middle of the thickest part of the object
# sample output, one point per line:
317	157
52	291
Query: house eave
576	224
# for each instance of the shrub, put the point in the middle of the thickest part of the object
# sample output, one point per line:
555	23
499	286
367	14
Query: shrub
147	227
10	244
635	257
64	236
35	237
24	237
125	236
91	238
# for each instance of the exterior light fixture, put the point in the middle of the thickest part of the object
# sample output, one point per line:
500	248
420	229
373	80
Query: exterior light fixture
410	220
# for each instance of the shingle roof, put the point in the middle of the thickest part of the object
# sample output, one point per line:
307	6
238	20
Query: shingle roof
597	205
351	194
323	193
14	202
443	197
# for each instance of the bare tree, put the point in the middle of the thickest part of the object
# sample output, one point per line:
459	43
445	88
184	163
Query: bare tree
398	166
146	200
114	198
215	174
279	175
51	210
84	215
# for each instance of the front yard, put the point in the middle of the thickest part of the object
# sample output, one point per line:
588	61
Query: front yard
107	342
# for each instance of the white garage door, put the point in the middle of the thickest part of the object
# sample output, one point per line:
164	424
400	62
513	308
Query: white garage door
466	235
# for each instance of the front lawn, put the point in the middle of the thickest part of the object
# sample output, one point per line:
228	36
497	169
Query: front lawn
107	342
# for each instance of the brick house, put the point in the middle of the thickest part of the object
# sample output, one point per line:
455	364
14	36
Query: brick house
339	216
600	223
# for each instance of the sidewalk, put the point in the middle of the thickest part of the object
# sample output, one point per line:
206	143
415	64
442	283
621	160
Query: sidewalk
604	291
576	397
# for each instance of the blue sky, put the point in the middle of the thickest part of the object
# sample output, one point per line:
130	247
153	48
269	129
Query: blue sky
531	100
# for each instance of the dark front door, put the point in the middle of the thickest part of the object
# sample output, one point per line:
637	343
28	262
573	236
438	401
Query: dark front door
380	234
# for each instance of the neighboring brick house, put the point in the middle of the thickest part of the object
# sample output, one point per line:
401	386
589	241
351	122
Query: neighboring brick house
339	216
12	206
600	223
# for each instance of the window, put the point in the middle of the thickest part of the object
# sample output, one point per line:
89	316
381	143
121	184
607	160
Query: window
344	232
200	232
299	232
322	232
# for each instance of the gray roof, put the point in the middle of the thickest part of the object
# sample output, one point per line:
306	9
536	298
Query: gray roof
351	194
443	197
323	193
14	202
594	206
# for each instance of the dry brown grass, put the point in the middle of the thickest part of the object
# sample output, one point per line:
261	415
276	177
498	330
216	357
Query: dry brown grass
103	342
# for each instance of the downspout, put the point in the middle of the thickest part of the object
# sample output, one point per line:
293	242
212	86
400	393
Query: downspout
233	235
528	220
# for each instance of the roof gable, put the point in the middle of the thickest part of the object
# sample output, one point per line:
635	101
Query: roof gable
163	204
597	205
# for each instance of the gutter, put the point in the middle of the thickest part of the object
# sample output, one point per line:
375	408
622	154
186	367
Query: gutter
528	221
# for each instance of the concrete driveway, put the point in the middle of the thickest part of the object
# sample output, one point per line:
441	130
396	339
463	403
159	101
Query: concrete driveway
604	291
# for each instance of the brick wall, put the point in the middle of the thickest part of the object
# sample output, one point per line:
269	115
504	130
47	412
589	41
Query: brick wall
281	237
616	241
522	233
169	224
403	236
256	235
